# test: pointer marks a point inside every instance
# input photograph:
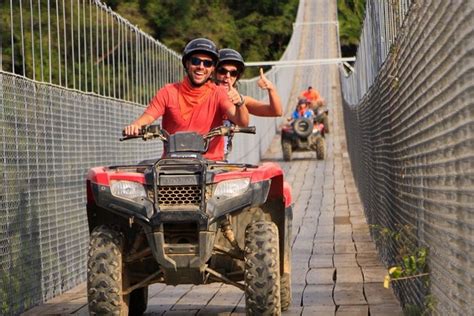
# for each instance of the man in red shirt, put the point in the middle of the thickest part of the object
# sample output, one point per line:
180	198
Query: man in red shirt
196	103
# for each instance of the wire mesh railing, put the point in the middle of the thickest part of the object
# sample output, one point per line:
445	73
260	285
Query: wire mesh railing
84	45
409	120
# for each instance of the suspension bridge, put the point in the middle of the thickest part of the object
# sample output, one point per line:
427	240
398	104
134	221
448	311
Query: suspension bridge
396	187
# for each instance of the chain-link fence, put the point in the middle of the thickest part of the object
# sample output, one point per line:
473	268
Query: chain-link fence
50	138
84	45
72	75
409	118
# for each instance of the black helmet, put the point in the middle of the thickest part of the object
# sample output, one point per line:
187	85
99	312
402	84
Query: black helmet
200	45
303	101
231	56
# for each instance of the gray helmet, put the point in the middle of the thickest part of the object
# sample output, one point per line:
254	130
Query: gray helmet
200	45
228	55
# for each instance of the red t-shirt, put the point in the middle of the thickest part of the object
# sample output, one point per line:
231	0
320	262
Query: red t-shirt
311	95
203	118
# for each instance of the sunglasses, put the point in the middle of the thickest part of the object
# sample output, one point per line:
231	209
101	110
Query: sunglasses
196	61
223	71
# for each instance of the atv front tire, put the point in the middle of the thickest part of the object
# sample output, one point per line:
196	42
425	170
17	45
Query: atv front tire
104	273
320	147
262	269
286	149
285	291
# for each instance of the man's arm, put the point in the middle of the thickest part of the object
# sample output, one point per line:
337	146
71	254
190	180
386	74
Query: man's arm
154	110
135	127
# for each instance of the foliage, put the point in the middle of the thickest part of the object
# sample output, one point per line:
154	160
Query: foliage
260	30
411	262
351	15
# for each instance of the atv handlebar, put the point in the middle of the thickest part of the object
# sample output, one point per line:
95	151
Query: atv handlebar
247	130
155	131
146	133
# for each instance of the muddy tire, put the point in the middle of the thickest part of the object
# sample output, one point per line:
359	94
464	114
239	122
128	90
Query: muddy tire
104	273
285	291
138	301
326	123
320	147
286	149
262	269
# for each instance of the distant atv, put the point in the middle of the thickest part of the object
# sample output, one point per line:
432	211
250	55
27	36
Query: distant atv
182	219
305	134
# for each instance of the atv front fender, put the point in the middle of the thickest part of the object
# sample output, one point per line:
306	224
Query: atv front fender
254	196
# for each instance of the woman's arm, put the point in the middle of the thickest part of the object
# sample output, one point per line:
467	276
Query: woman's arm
259	108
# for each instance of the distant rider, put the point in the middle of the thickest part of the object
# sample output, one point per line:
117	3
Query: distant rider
302	110
317	103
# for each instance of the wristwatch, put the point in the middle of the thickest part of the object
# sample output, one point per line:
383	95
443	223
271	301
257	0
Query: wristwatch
241	102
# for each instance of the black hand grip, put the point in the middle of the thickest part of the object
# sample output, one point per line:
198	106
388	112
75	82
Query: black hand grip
129	137
247	130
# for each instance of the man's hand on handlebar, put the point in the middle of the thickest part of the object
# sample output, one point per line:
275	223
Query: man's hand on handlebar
131	130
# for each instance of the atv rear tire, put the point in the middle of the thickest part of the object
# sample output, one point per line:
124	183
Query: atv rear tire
262	269
320	145
286	149
285	291
104	273
138	301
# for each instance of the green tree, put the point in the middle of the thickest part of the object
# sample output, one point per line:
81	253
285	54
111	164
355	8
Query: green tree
351	15
260	30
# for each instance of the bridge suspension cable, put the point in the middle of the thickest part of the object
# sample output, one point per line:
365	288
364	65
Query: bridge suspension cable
303	62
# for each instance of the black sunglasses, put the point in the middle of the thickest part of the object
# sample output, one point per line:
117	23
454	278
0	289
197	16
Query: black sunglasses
223	71
196	61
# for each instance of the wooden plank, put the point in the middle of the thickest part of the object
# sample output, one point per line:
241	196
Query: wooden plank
345	260
321	261
319	310
67	303
320	276
167	298
197	297
348	275
378	295
349	294
224	302
374	274
320	295
352	310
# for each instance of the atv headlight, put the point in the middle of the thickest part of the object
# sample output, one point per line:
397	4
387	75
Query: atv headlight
127	189
231	188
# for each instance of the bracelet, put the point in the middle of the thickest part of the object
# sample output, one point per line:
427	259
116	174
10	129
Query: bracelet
242	101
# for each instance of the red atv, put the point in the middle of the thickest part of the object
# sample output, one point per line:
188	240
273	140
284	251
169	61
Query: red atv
182	219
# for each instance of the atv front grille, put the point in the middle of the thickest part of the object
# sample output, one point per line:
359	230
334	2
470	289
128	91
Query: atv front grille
179	195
